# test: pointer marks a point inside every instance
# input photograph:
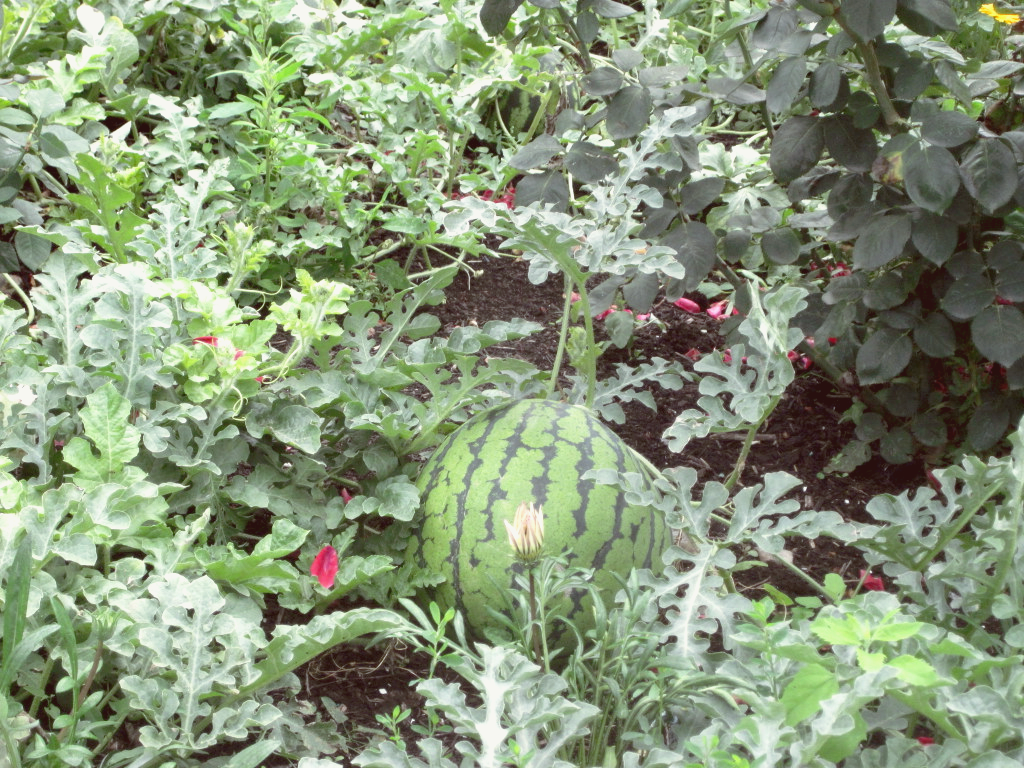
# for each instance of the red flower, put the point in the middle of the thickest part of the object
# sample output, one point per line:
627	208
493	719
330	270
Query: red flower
603	315
871	582
215	341
345	495
926	740
325	566
693	353
687	305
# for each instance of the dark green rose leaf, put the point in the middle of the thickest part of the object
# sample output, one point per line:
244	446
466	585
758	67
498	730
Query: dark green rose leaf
852	147
698	195
949	129
886	291
548	187
882	241
988	424
537	153
824	86
1010	282
998	333
912	78
785	84
927	17
935	336
796	148
897	446
781	246
589	163
735	91
968	295
696	248
609	9
929	429
883	356
628	112
603	81
935	237
931	176
990	173
867	19
496	14
774	28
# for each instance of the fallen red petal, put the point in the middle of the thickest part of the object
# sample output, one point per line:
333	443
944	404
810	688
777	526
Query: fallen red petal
687	305
325	566
871	582
926	740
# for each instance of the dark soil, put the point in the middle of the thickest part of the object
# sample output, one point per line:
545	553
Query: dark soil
802	435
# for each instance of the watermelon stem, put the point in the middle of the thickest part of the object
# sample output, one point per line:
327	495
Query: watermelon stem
575	281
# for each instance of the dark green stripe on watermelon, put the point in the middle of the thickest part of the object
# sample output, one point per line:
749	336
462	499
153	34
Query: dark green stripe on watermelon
532	451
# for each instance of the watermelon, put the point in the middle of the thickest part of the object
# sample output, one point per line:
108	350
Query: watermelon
531	451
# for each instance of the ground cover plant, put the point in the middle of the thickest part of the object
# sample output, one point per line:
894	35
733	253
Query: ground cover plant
234	238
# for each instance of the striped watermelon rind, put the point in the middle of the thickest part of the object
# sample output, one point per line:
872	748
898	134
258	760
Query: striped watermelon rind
533	451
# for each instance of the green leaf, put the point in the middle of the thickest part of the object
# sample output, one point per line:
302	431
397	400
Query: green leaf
853	147
777	26
781	246
998	333
537	153
935	336
546	187
916	671
698	195
796	148
603	81
787	79
106	420
927	17
931	176
836	631
883	241
949	129
883	356
867	19
894	632
696	248
294	645
935	237
609	9
990	173
808	688
628	112
589	163
496	14
968	295
823	89
988	424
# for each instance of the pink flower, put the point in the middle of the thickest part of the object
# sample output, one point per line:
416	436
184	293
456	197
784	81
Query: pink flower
607	312
345	495
693	353
325	566
926	740
687	305
643	317
574	297
871	582
719	309
1001	300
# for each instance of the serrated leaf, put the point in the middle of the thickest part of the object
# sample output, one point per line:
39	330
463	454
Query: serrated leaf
496	14
603	81
931	176
809	686
935	336
927	17
853	147
610	9
823	89
998	333
775	28
882	242
589	163
990	173
698	195
787	79
935	237
867	19
883	356
628	112
107	423
696	248
546	187
537	153
781	246
968	295
988	424
796	148
949	129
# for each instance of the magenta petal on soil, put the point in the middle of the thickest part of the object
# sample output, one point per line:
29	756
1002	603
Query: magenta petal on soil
871	582
325	566
687	305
